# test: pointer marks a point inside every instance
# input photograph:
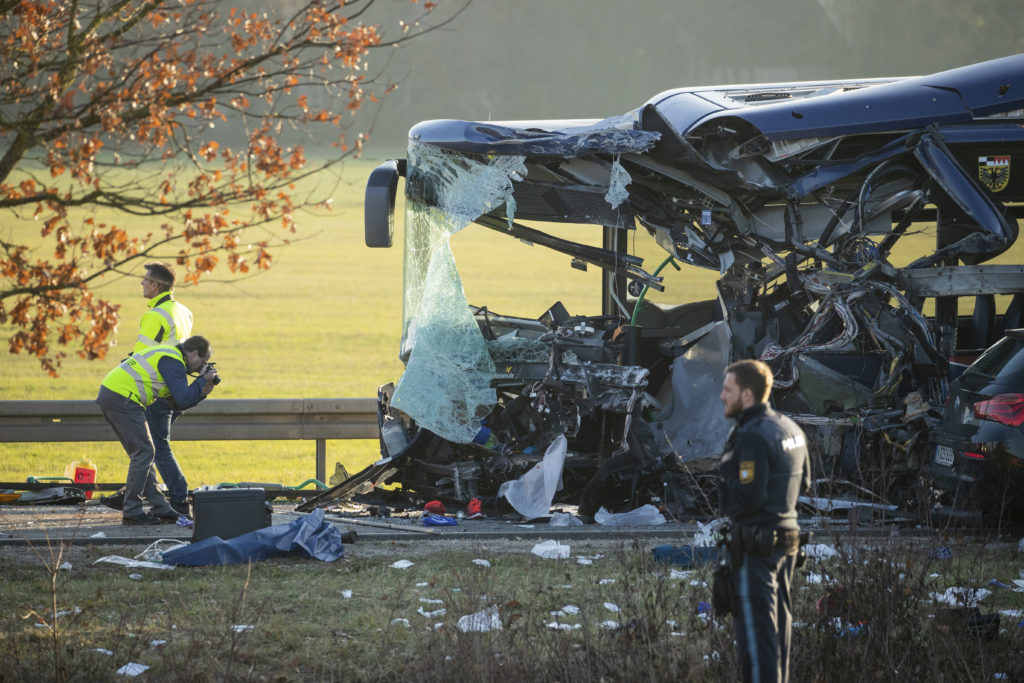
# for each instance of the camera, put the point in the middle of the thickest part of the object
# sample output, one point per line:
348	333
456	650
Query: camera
209	366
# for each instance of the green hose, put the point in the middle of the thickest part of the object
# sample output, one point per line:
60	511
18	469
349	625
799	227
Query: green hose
643	292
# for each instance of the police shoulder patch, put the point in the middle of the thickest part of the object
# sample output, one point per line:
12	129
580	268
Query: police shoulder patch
746	471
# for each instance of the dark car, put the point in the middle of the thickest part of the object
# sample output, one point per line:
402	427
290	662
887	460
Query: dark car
978	454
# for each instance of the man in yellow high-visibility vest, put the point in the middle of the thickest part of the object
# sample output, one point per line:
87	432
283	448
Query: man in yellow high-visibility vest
125	393
166	321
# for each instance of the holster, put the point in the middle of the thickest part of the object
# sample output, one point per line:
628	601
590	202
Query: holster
723	595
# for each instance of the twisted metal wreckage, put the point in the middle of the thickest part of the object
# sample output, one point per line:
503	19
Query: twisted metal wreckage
797	193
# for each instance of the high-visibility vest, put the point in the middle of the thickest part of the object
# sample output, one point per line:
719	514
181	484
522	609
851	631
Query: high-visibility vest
173	318
138	377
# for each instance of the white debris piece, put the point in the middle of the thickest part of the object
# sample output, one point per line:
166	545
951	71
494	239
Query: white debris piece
958	596
131	669
612	607
434	613
481	622
617	181
402	564
565	519
820	551
707	534
551	550
645	515
400	621
346	593
242	628
481	563
559	626
135	564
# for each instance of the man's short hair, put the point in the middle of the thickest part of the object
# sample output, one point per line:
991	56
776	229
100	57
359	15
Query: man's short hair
754	375
198	344
162	273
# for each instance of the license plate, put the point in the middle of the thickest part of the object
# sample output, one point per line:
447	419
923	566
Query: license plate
944	456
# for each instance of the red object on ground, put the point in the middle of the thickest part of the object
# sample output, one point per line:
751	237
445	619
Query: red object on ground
434	507
473	508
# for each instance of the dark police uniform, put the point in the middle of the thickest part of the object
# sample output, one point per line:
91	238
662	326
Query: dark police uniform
768	470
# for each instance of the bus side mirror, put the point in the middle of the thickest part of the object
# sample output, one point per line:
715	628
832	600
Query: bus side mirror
379	204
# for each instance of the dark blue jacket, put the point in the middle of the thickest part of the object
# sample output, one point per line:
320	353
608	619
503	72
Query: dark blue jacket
768	470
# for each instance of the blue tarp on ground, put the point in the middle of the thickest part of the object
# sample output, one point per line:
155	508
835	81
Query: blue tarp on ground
686	556
310	534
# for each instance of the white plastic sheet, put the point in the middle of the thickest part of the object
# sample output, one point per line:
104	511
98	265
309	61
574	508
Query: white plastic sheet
645	515
532	493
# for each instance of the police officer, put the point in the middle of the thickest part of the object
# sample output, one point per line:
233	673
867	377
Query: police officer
764	469
166	321
124	395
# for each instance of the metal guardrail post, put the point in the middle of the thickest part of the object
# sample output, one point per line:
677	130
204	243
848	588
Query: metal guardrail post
321	460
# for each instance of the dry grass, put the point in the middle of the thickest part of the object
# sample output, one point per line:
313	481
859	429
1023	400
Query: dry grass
304	628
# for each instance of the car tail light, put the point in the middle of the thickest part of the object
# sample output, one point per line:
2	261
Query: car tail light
974	456
1005	408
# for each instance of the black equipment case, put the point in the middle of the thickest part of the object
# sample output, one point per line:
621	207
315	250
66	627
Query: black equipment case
228	512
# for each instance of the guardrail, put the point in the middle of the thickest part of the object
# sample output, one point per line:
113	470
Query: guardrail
258	419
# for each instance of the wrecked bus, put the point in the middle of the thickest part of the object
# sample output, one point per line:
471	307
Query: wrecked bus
797	194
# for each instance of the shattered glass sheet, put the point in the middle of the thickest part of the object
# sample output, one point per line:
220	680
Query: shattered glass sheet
446	384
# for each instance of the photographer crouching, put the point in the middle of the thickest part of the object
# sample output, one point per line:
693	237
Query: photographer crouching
157	371
764	469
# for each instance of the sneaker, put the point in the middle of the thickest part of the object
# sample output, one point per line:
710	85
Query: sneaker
115	501
473	509
142	519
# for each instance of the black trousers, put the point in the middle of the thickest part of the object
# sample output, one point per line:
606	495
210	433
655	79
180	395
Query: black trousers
763	618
